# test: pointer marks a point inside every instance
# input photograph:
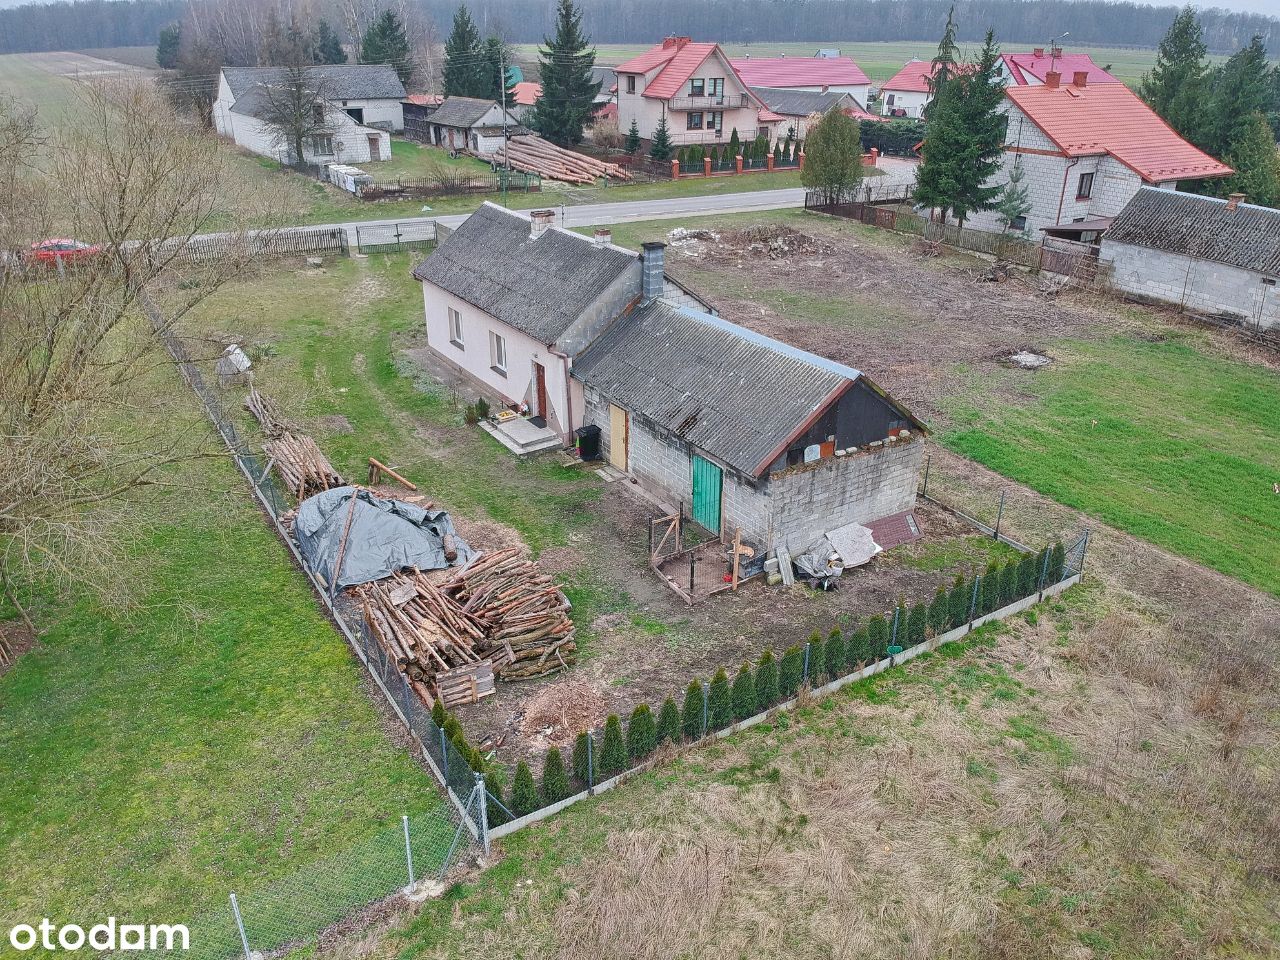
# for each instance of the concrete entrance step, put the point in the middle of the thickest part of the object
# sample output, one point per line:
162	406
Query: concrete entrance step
522	438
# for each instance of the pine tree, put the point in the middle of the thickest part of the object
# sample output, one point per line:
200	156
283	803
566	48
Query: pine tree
613	752
1015	200
498	78
464	58
834	665
959	601
990	596
583	749
451	727
744	693
1057	563
1178	84
327	45
877	637
719	702
660	147
858	651
815	659
791	672
567	104
493	802
1027	574
939	612
945	63
1241	88
766	681
633	138
169	46
1256	163
642	732
691	715
387	41
555	779
669	722
917	623
524	792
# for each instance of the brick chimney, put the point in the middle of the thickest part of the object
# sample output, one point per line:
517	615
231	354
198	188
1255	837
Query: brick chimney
677	42
1233	200
1052	79
1080	79
1038	52
539	220
652	273
603	238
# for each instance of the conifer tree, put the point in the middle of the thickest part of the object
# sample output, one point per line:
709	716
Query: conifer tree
387	41
1009	583
660	147
642	732
917	623
169	47
1057	563
835	656
744	693
493	801
1241	88
719	701
939	612
633	138
790	672
498	79
766	681
613	752
524	792
877	637
1015	199
691	715
990	588
567	104
959	600
859	651
1178	84
583	750
1027	573
669	722
328	47
464	63
735	145
945	63
1256	161
555	779
438	714
816	659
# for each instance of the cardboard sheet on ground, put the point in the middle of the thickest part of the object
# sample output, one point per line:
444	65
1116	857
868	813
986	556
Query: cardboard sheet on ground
385	536
854	543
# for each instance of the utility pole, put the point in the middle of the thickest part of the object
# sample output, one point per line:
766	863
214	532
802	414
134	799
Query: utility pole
506	143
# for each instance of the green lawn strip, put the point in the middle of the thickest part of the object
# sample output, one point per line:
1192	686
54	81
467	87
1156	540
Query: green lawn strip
1158	439
217	739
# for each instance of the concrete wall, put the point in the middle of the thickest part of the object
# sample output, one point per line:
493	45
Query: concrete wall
379	113
350	139
1197	284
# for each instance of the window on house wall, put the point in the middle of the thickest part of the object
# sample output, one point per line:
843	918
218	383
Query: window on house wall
888	100
631	84
715	87
697	87
455	328
1084	189
695	121
715	121
498	353
317	112
1019	223
322	145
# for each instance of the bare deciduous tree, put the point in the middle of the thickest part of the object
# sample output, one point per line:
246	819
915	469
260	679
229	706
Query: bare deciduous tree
296	107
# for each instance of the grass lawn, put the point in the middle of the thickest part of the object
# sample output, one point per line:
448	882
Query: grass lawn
1160	439
53	96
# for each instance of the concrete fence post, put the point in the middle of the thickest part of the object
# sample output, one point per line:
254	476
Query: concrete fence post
973	603
737	164
675	169
706	695
706	166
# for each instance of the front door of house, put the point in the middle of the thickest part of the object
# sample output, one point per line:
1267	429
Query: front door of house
708	480
618	437
540	405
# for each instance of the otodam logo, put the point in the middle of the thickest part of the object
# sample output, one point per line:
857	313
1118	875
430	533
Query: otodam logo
110	935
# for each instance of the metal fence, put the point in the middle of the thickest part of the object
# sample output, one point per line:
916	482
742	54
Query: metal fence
447	186
396	237
295	908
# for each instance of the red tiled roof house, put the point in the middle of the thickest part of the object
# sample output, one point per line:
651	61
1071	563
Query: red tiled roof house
1086	149
808	74
695	87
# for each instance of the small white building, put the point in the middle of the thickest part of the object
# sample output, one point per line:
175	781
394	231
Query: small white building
361	106
466	123
1205	254
906	93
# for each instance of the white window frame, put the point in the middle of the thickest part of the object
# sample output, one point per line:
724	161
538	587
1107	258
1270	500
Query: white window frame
497	353
455	329
319	142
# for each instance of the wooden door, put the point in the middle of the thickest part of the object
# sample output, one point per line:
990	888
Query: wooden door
541	407
375	147
708	482
619	437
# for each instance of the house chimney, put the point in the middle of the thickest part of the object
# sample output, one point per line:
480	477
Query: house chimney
1039	51
1051	79
603	238
652	275
826	88
673	41
1080	79
539	220
1233	200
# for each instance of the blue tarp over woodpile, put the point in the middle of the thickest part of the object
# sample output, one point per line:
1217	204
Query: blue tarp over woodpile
384	536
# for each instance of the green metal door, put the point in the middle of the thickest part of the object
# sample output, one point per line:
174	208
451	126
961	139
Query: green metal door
707	481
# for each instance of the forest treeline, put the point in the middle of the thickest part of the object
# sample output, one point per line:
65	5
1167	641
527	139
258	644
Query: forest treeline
104	23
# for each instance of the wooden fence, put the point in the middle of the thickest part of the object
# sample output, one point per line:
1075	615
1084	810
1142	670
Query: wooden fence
257	245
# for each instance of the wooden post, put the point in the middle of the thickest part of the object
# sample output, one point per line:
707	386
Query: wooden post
737	555
377	468
342	546
693	554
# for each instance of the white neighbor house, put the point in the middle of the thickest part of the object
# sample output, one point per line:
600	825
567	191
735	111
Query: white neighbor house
363	106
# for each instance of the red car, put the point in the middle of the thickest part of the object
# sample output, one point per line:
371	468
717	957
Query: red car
69	252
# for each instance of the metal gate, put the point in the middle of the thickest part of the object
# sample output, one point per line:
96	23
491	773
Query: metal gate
708	481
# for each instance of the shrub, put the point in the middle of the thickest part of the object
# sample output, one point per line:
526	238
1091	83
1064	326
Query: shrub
791	672
642	732
438	714
858	650
939	612
917	623
1009	583
1028	574
669	722
877	637
834	659
766	681
815	663
719	701
1057	564
469	415
476	761
613	753
482	408
584	753
555	779
460	745
744	693
990	597
524	794
451	727
493	786
691	715
960	601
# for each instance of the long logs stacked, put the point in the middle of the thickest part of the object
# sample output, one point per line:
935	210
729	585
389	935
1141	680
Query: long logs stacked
532	154
302	464
267	414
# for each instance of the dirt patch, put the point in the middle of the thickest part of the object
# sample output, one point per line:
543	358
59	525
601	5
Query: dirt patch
332	423
558	712
368	289
15	638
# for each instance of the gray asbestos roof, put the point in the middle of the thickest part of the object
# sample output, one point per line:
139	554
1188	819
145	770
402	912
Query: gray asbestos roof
341	81
798	103
1201	227
733	393
537	286
461	111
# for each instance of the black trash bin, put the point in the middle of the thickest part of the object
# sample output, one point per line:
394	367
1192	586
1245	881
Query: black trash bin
588	438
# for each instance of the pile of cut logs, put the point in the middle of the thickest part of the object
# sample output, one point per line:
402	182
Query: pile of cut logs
267	414
532	154
498	616
302	465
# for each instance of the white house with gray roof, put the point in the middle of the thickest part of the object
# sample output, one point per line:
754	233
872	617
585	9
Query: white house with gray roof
1202	253
361	104
468	123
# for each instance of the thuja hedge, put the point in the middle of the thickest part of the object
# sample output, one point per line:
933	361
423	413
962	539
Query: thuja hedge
721	702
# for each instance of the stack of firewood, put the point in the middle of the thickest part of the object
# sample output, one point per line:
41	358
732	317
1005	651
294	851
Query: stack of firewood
302	465
532	154
499	616
267	414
